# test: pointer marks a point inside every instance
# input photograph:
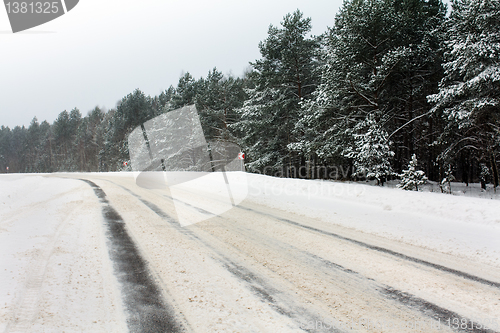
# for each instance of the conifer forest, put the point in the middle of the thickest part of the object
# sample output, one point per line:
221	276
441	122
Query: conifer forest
391	85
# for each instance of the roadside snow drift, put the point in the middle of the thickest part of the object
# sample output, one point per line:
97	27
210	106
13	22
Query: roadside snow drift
458	225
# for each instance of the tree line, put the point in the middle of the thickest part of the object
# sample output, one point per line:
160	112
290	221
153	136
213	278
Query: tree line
389	80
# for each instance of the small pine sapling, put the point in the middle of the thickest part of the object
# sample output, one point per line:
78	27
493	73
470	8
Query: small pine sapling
412	178
484	175
446	182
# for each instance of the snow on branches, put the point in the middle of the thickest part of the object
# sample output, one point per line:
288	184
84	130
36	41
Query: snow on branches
412	178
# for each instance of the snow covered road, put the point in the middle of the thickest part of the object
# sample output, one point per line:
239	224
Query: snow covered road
97	253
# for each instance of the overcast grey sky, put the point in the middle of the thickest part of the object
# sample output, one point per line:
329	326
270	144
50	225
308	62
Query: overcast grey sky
104	49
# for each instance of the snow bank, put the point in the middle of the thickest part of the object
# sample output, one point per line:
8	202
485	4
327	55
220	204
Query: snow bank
458	225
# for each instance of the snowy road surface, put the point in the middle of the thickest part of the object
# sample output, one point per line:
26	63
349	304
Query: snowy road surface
97	253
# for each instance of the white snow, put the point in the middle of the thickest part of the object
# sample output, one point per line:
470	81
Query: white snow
453	224
54	253
464	224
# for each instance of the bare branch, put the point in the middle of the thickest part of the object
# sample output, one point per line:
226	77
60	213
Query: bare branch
408	122
363	96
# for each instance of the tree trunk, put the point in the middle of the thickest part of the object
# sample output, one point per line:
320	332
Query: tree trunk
494	169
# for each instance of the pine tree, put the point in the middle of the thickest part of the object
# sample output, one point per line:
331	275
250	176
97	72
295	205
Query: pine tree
263	136
132	111
185	92
5	148
381	58
163	102
281	80
43	163
469	94
62	141
484	174
370	153
17	149
412	178
217	99
33	141
445	184
87	142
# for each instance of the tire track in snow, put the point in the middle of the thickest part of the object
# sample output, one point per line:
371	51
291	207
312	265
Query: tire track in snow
27	309
147	310
266	292
436	312
428	309
365	245
381	249
277	299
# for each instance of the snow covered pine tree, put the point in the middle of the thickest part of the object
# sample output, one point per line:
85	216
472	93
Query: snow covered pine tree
412	178
371	153
469	94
